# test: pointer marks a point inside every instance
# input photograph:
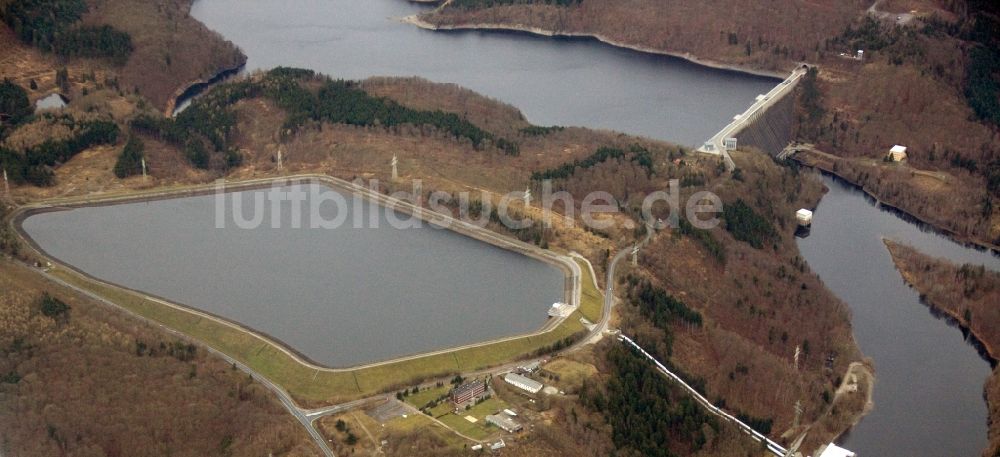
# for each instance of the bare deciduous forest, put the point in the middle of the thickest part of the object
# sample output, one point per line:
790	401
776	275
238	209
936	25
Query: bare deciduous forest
78	378
758	305
928	85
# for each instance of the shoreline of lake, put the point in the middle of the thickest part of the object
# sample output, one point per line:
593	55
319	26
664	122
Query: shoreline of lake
965	241
416	21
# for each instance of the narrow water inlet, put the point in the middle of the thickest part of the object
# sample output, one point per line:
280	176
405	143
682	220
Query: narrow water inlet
929	378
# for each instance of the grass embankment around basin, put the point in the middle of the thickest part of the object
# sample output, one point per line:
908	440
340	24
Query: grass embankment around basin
316	386
591	300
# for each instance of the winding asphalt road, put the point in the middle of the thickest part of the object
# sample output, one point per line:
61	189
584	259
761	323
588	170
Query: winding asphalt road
609	282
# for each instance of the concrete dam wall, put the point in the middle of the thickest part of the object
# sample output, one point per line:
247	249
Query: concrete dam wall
770	130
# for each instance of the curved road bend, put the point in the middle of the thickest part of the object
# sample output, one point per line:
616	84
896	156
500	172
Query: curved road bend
286	400
609	284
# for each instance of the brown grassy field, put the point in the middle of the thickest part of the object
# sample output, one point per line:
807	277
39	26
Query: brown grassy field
83	388
968	294
22	64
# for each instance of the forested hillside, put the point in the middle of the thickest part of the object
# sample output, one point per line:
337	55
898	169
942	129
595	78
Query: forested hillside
648	416
14	107
206	128
748	33
78	378
927	63
725	306
152	47
54	26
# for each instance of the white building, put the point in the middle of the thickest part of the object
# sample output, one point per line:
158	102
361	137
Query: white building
730	144
897	153
528	385
832	450
560	309
504	422
804	217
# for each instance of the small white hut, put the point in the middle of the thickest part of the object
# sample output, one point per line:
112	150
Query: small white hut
804	217
897	153
560	309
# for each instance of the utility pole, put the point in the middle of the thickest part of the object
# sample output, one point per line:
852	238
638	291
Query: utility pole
635	255
527	196
280	165
6	185
798	351
144	168
395	167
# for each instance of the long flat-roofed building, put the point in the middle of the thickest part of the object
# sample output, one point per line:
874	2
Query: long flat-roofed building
468	392
504	422
528	385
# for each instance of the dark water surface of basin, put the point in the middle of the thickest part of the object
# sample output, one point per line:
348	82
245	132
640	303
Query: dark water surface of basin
341	296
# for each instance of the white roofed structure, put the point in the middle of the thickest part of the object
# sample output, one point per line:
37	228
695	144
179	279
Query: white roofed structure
528	385
832	450
897	153
804	216
560	309
504	422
